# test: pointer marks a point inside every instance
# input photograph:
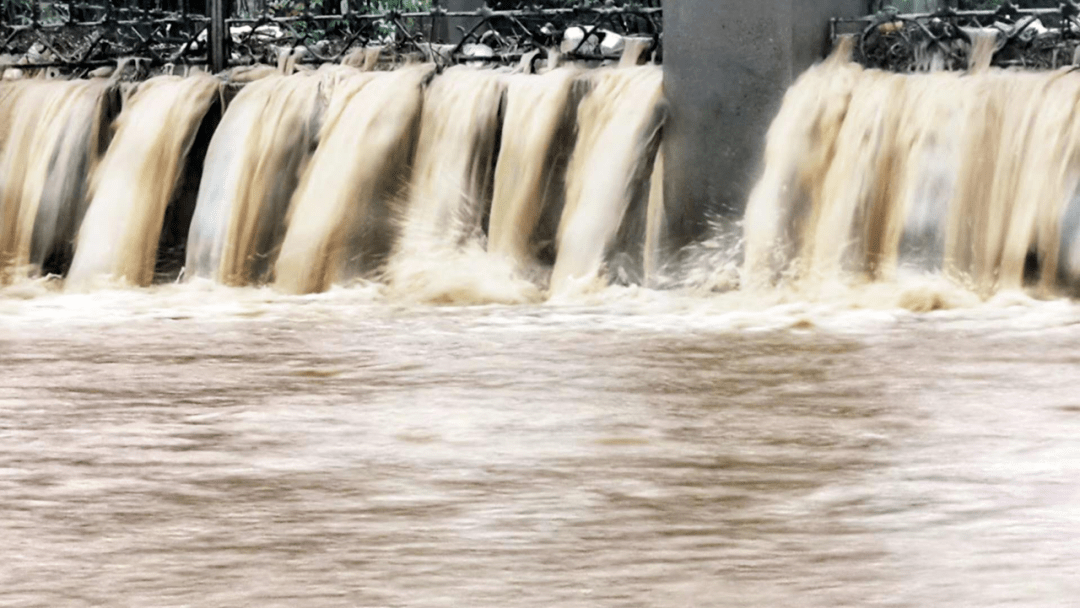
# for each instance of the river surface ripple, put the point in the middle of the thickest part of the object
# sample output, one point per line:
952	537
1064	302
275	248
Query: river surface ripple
334	451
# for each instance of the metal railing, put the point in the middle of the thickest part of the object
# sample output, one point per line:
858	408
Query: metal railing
85	35
509	34
214	33
1036	38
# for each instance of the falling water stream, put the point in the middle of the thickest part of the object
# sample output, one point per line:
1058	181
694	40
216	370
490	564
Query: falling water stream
343	337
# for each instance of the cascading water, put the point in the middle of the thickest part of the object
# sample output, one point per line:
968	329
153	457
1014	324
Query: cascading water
450	193
340	220
482	185
50	141
136	180
530	178
467	186
252	169
868	173
619	122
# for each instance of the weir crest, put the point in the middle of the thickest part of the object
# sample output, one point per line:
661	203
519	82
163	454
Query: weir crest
479	184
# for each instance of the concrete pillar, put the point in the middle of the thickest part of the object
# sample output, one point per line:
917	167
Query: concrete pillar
449	31
727	64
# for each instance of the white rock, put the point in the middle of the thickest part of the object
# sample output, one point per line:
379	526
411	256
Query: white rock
613	43
477	50
573	37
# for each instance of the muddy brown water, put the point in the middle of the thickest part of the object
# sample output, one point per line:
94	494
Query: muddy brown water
178	447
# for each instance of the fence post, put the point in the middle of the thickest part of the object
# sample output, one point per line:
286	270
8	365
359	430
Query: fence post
217	35
456	25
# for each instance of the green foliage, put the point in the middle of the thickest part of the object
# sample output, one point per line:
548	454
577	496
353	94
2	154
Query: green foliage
21	11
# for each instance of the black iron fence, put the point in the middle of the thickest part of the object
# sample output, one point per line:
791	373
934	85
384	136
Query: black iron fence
85	34
1032	38
224	33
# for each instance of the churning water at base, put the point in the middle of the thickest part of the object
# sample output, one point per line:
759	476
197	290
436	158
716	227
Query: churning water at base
871	411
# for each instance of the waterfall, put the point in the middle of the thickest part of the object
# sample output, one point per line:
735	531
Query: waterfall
800	146
530	178
252	169
51	141
473	185
656	224
341	219
455	159
138	178
618	136
975	175
440	257
482	185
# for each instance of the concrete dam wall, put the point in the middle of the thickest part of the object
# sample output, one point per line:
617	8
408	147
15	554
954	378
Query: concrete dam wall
727	64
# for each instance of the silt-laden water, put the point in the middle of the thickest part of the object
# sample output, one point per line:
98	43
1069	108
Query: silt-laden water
206	446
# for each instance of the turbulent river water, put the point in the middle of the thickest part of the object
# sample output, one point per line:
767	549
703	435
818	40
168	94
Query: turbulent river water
862	393
200	445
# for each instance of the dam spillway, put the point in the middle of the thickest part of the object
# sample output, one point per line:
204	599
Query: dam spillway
327	175
331	331
481	184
